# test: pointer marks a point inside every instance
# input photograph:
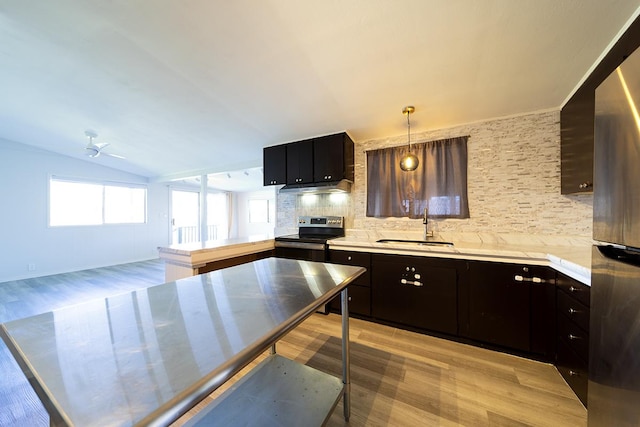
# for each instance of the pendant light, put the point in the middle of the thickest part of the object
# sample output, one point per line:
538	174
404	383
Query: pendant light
409	161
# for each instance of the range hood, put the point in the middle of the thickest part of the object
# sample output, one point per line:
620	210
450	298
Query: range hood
342	186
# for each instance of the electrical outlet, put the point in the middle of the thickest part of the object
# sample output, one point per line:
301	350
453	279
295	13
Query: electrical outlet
32	267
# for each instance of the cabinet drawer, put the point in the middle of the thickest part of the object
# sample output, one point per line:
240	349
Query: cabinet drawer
574	370
360	259
575	289
574	310
574	337
359	301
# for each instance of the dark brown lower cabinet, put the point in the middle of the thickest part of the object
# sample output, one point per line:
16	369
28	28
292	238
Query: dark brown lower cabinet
359	290
359	301
415	291
230	262
573	312
499	306
527	309
509	306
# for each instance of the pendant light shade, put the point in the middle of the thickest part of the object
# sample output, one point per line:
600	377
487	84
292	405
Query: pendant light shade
409	161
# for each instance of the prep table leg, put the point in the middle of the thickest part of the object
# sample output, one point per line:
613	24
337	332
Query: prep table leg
346	369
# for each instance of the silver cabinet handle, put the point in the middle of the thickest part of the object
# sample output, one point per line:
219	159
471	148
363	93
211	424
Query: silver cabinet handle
349	258
574	373
573	289
572	311
411	282
519	278
574	337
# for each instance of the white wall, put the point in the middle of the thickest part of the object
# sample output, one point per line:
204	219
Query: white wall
27	238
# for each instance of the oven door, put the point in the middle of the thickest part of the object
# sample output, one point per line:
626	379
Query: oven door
301	250
304	251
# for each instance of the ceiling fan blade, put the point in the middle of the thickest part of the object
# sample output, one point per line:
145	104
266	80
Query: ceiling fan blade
92	151
114	155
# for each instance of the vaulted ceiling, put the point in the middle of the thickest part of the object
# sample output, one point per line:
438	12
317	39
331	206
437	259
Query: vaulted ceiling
200	86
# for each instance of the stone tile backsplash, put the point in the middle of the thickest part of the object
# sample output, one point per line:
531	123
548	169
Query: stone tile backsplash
513	184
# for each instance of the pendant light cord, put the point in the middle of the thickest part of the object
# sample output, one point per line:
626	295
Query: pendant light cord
409	131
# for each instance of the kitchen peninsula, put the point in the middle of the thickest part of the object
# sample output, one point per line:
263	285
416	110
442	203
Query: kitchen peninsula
189	259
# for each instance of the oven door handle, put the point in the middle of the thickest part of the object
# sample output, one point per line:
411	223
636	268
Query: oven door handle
300	245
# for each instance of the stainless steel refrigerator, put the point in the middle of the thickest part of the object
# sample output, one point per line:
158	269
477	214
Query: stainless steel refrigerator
614	348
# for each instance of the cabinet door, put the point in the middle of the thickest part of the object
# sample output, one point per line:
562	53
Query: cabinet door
300	162
274	162
499	305
415	291
359	301
328	158
576	146
543	305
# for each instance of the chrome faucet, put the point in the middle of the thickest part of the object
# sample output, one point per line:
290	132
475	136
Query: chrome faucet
425	221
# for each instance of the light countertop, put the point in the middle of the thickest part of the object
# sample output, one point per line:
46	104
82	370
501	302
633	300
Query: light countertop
196	247
569	255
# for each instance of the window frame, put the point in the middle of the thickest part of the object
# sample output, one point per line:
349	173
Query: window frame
104	184
394	193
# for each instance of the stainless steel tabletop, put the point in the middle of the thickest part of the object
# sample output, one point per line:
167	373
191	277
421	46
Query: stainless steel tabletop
146	357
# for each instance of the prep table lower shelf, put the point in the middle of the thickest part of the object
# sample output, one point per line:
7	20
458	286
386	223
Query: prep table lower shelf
278	392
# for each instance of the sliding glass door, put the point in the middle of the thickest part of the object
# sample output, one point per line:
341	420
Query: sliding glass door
185	216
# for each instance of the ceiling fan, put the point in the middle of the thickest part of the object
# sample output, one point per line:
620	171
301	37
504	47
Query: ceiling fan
95	149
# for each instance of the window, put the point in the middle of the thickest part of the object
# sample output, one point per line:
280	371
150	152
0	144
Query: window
439	184
73	202
218	216
258	211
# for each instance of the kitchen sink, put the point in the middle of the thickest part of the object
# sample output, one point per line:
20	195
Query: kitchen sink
416	242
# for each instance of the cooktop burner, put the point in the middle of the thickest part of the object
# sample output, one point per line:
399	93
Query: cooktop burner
304	238
316	229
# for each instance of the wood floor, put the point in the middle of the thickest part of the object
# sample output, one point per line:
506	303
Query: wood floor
19	405
402	378
399	378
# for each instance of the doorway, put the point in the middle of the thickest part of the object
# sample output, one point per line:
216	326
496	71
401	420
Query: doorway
185	216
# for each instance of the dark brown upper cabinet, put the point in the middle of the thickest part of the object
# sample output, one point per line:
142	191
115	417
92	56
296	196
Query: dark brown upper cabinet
316	160
577	117
274	165
576	148
333	158
300	162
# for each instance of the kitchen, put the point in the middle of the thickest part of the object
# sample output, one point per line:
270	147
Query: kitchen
514	179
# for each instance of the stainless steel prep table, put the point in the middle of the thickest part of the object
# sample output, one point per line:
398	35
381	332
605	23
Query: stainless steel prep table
146	357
